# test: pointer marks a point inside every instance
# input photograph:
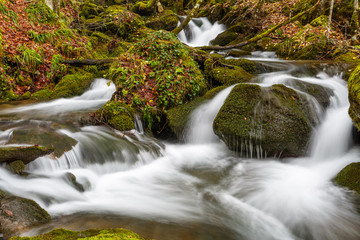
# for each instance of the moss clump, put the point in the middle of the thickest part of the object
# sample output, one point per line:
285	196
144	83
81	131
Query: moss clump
228	76
72	84
42	95
90	9
238	53
91	234
224	38
354	96
276	119
248	65
144	8
17	167
349	177
119	115
320	21
166	20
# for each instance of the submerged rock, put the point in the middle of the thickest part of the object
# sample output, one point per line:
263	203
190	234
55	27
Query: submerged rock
276	119
17	214
349	177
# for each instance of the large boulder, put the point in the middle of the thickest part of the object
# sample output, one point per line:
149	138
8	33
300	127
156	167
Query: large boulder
273	121
26	154
17	214
349	177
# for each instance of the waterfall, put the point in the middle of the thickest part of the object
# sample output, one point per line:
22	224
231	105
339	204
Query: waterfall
199	129
200	32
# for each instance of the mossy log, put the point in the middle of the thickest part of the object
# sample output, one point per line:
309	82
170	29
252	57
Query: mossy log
261	35
26	154
82	62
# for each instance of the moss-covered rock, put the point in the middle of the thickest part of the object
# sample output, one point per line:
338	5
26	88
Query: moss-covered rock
145	8
228	76
167	74
90	9
224	38
166	20
309	43
248	65
321	21
276	120
19	213
354	96
118	114
349	177
17	167
72	84
91	234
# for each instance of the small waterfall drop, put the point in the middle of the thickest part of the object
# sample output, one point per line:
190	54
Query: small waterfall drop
199	129
200	31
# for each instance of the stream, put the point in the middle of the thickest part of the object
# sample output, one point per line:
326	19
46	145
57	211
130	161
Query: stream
196	190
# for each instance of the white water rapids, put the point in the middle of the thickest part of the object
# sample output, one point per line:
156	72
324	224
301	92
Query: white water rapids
197	190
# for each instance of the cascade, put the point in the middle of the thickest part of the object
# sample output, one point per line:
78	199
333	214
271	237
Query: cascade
197	189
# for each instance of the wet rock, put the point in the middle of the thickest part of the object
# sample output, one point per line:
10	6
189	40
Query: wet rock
224	38
18	214
349	177
274	121
26	154
166	20
17	167
45	137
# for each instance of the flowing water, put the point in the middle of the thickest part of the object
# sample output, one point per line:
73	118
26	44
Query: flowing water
195	190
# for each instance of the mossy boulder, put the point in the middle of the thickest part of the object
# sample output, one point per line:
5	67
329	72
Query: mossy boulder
90	234
272	122
354	96
25	153
167	20
90	9
238	53
18	214
118	114
349	177
321	21
17	167
309	43
145	8
228	76
224	38
248	65
72	84
156	74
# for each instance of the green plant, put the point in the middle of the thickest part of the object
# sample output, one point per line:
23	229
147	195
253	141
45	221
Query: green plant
39	11
29	57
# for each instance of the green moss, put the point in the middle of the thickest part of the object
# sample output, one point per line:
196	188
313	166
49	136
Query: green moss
166	20
349	57
349	177
72	84
228	76
119	115
275	118
17	167
144	8
354	96
320	21
91	234
248	65
90	9
42	95
224	38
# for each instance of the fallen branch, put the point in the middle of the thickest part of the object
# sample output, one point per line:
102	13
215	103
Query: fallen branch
82	62
261	35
